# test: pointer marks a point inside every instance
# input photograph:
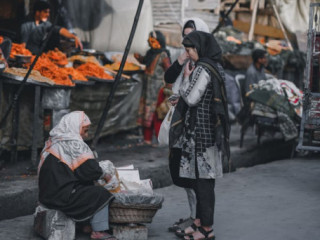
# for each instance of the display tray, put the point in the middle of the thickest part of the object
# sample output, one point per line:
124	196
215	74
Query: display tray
133	72
20	79
17	78
87	83
124	71
100	79
23	58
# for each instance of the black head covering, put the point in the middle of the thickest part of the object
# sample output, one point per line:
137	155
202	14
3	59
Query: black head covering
257	54
152	53
40	5
205	43
188	24
160	37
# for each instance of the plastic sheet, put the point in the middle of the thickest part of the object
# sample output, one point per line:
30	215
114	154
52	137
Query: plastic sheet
136	199
124	106
56	98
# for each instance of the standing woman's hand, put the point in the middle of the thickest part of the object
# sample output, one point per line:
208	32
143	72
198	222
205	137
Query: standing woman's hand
188	69
183	57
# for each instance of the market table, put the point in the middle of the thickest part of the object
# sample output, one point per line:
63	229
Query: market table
86	96
15	81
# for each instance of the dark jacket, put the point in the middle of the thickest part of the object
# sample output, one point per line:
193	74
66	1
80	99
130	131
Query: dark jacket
73	193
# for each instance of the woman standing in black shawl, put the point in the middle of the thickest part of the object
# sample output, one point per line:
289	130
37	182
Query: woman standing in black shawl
206	132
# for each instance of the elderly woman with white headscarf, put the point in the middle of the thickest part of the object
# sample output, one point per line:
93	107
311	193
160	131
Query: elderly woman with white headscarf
67	171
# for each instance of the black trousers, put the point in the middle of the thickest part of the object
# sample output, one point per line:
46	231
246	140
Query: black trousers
204	189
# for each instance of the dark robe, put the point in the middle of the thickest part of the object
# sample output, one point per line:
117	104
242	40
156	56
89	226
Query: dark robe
73	193
33	36
173	72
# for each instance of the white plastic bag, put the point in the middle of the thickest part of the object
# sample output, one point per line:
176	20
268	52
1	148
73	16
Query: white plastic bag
108	169
163	137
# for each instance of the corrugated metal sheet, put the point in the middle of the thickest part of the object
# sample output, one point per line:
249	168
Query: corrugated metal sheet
174	11
166	11
202	4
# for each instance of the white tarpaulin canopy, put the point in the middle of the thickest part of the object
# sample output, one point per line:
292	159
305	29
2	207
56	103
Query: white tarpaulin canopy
294	14
106	24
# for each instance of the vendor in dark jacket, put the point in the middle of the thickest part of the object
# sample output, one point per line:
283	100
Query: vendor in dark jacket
32	32
67	171
256	71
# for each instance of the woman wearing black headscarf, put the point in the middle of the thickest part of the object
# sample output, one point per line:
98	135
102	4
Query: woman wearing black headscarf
174	75
157	61
206	131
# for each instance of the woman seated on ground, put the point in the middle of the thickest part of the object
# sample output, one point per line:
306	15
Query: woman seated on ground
67	171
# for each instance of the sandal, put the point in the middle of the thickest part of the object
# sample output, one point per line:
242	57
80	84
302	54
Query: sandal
204	233
181	224
182	233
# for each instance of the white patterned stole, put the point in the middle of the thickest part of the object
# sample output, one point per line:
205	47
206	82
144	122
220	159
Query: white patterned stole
66	143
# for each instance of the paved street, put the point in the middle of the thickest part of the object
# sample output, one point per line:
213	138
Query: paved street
273	201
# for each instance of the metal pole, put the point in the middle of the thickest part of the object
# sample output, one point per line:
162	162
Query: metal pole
14	132
35	130
117	78
306	94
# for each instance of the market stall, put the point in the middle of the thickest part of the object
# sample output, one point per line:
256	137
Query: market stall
59	84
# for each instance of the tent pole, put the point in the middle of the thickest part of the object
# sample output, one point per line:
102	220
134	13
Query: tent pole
281	25
253	20
117	79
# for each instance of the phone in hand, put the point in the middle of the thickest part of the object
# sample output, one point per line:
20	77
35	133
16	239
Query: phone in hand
191	65
173	98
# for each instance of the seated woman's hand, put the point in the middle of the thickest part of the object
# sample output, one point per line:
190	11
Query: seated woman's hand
107	177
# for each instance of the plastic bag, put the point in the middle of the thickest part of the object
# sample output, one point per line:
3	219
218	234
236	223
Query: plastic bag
143	187
113	184
136	199
163	137
107	167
